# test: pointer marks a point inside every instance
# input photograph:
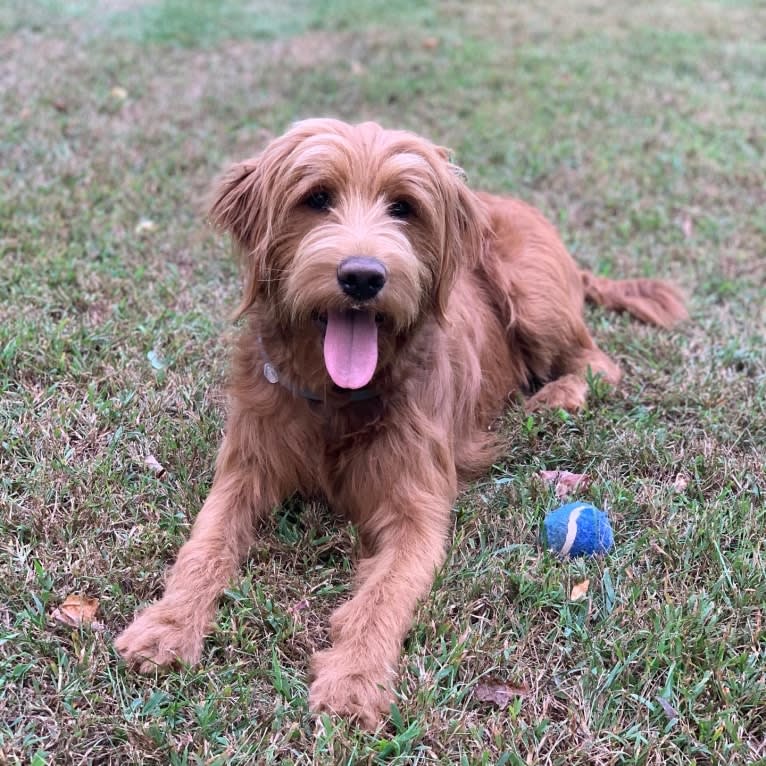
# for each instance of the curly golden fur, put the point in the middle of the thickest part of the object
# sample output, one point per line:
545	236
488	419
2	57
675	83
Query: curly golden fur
462	299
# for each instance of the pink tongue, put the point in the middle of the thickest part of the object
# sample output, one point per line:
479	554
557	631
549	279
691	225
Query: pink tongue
351	347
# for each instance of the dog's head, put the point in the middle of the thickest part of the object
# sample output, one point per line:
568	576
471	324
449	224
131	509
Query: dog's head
355	232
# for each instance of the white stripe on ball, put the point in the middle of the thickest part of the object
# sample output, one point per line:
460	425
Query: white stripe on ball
571	529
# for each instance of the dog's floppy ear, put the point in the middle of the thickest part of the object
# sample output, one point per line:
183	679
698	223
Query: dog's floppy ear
238	207
234	204
465	231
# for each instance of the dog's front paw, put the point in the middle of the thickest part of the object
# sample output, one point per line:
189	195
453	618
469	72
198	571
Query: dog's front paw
158	637
343	687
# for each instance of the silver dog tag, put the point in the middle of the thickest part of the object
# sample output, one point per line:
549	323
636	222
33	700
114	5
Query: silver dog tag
270	373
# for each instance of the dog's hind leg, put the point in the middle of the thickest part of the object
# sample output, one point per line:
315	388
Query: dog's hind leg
570	390
539	293
572	352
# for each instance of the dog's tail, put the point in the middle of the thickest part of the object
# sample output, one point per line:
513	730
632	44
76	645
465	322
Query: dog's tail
650	300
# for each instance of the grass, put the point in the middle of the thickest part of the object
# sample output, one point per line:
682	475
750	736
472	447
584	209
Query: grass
637	127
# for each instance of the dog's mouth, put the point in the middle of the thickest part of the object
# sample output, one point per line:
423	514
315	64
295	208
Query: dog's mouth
350	345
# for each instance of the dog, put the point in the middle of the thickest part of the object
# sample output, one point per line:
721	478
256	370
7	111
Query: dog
389	314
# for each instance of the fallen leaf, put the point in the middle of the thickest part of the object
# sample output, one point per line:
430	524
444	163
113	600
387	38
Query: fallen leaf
154	465
77	610
498	693
145	226
565	482
579	590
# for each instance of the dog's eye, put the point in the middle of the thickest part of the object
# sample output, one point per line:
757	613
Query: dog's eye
319	200
400	208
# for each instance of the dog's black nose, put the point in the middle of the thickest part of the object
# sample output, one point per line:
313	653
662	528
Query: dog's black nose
361	278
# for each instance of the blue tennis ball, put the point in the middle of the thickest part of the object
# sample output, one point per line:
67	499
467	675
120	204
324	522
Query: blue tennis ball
577	529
